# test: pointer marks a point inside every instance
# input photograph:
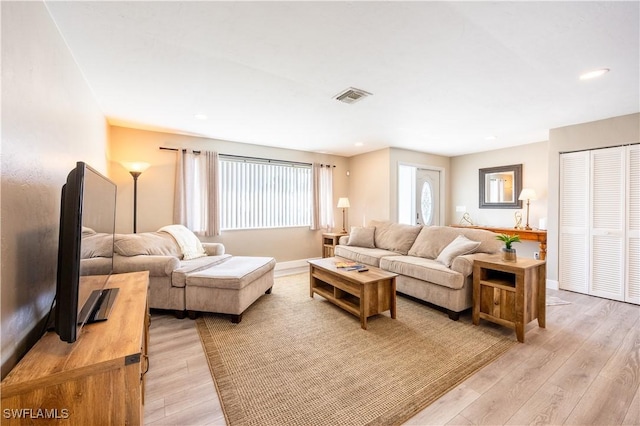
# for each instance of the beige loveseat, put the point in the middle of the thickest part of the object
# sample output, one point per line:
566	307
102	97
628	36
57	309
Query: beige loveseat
211	281
434	263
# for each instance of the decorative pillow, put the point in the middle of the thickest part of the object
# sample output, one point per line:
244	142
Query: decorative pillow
147	243
461	245
362	236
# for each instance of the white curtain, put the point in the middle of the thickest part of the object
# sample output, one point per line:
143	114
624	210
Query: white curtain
196	204
322	197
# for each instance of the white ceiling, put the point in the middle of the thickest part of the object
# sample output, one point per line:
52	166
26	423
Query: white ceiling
444	75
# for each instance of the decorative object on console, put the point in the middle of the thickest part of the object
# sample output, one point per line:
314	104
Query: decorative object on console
508	252
518	216
542	224
136	169
343	203
529	195
466	220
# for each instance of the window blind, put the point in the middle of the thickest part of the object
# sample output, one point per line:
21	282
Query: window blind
260	194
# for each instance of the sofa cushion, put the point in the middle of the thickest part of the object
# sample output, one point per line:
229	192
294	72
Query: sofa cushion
179	275
423	269
362	236
158	266
368	256
395	237
461	245
147	243
234	273
433	239
488	242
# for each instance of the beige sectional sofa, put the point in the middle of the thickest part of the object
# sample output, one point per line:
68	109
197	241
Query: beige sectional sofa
214	281
158	253
434	263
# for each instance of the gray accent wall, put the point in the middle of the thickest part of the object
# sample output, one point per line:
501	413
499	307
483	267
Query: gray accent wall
50	121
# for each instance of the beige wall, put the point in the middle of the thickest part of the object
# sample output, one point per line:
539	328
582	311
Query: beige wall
465	187
49	121
596	134
369	191
373	182
156	187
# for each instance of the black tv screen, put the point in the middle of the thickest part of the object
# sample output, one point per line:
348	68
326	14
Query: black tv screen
85	245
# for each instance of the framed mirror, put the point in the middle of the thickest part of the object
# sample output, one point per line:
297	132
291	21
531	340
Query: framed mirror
500	187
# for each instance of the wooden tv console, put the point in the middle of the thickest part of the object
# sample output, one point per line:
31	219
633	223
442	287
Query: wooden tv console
98	379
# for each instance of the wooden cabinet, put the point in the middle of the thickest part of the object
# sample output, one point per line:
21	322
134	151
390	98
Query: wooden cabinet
98	379
511	294
329	242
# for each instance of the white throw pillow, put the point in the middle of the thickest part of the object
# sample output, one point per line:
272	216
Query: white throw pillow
362	236
461	245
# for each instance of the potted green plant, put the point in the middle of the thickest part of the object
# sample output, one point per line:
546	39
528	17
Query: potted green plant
508	252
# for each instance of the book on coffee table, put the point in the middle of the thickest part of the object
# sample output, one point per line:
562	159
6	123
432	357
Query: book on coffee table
356	268
345	264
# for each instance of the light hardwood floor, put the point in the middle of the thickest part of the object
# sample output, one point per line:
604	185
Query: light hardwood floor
584	368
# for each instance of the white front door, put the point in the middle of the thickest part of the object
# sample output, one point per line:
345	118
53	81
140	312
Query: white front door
427	197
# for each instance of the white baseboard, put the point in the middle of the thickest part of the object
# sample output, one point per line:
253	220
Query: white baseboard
553	284
292	267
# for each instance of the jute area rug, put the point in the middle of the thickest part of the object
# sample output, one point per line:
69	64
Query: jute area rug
294	360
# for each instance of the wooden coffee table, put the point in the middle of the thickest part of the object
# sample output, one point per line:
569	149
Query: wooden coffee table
363	294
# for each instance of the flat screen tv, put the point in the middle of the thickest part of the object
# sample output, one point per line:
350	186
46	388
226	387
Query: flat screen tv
85	247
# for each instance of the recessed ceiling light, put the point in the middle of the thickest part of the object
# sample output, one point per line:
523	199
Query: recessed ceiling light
359	144
201	116
594	74
490	138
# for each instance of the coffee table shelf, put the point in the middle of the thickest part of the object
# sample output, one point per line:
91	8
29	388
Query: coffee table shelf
363	294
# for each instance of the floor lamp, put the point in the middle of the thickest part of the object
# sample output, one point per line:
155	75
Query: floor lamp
136	170
529	195
343	203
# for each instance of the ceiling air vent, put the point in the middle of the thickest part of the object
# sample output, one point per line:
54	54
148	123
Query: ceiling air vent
351	95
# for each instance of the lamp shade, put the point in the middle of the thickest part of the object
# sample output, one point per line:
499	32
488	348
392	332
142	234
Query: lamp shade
343	203
136	166
528	194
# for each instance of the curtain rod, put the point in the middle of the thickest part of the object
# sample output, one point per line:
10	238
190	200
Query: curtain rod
241	157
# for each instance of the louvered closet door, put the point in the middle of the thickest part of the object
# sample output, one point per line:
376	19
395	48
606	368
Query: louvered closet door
633	224
574	222
607	233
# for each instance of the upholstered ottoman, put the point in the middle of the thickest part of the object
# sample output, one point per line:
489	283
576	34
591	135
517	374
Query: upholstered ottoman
229	287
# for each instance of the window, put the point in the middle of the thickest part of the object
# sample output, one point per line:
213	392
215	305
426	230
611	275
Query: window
264	194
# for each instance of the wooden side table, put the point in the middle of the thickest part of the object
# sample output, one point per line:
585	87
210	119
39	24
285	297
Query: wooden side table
329	242
511	294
